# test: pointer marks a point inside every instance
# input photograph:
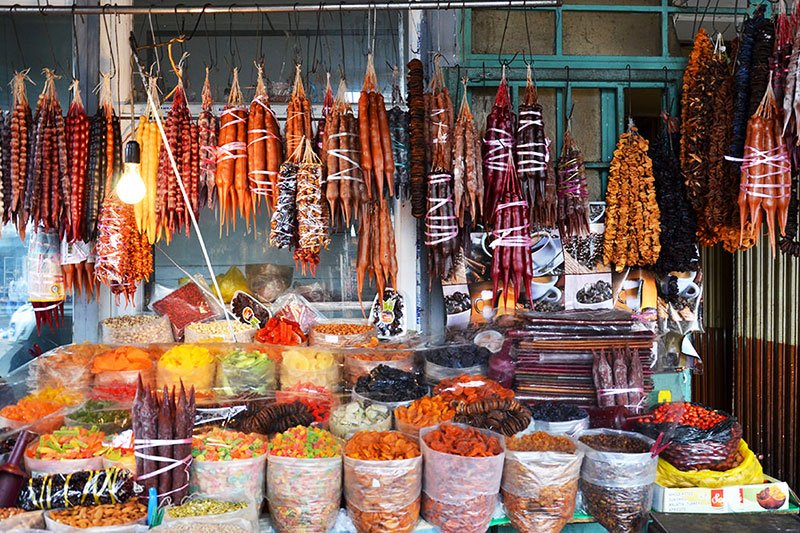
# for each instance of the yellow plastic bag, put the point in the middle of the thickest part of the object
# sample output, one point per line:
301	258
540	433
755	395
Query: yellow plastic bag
231	281
748	472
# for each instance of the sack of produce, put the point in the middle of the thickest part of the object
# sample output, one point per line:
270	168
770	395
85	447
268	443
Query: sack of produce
66	366
191	364
748	472
361	363
246	372
191	302
107	416
699	438
383	481
136	329
219	331
452	361
228	463
319	400
425	412
340	334
349	418
389	387
616	478
117	371
540	481
463	469
105	518
308	365
304	480
559	418
217	510
65	451
469	389
268	281
88	487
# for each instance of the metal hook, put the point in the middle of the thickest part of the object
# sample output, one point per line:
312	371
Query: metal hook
630	76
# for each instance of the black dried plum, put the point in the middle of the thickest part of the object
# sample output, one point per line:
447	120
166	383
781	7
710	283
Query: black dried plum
464	356
387	384
557	412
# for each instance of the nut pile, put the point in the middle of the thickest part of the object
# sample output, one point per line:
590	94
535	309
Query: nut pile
612	443
632	217
203	507
115	514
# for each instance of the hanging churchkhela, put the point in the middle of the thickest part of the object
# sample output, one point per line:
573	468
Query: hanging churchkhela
439	121
790	243
263	146
77	139
312	223
283	221
149	139
377	250
20	136
441	225
377	161
345	189
48	179
399	129
532	156
298	116
172	211
232	185
511	258
416	138
207	131
573	194
467	166
498	146
766	173
633	228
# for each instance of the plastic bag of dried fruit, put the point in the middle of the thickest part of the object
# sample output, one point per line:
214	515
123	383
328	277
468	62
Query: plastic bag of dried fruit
617	477
539	487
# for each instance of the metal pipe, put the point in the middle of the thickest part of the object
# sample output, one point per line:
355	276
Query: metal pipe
114	9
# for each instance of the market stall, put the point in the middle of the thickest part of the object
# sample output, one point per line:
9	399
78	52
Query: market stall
504	349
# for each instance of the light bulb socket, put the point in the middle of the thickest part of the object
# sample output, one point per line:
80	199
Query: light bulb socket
132	152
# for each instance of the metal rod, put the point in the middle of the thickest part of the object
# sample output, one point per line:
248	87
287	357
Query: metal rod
114	9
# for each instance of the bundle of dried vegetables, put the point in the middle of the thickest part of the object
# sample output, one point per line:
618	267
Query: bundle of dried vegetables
532	153
721	217
696	121
742	75
632	214
416	137
678	245
573	194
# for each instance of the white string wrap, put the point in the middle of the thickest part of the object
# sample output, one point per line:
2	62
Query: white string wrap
534	156
440	228
171	463
515	236
776	159
499	150
262	187
351	166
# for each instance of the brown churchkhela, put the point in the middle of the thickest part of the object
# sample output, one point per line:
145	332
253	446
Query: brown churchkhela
168	415
377	160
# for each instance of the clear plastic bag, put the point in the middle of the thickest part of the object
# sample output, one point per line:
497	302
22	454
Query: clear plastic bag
238	477
748	472
617	488
45	277
67	366
136	329
87	487
308	365
435	373
249	514
133	527
304	494
246	371
539	489
570	427
383	496
268	281
189	303
28	520
352	417
40	467
361	364
296	308
459	494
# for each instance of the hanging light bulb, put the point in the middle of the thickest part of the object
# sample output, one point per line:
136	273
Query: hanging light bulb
131	188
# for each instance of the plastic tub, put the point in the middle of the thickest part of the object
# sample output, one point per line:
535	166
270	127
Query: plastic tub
369	418
435	373
61	466
570	427
202	377
137	329
355	367
227	478
328	377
